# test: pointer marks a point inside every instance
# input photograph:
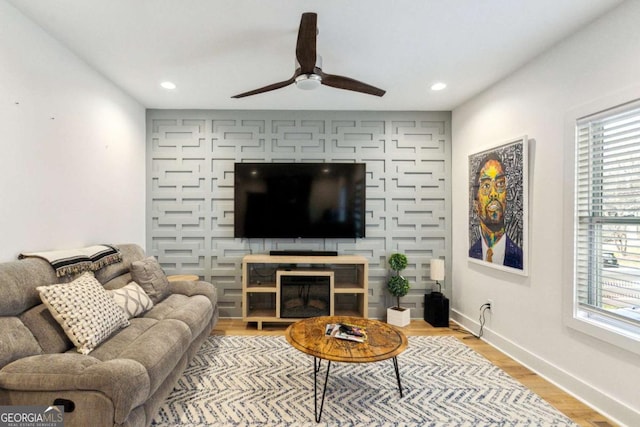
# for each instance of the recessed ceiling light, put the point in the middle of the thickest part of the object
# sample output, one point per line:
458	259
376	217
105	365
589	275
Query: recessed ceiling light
438	86
168	85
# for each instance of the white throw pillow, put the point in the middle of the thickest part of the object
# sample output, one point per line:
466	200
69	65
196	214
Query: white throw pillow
132	299
85	311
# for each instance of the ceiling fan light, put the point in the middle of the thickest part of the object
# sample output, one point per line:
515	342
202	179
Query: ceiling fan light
308	81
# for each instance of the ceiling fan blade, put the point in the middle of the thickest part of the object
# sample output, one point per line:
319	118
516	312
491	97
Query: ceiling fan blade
306	45
347	83
268	88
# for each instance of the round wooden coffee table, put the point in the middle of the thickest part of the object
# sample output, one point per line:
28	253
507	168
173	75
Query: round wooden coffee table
383	342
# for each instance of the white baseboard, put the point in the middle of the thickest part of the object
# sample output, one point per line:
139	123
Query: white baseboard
596	399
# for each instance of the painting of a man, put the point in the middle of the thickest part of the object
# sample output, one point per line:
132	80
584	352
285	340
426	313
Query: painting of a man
496	196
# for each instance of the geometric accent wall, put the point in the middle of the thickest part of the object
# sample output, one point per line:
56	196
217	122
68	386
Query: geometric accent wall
190	158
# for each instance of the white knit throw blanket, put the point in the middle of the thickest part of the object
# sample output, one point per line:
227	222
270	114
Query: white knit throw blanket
73	261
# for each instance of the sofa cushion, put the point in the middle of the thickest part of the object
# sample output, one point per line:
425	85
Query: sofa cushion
115	345
157	345
48	332
132	299
16	341
85	311
19	280
118	282
189	310
148	274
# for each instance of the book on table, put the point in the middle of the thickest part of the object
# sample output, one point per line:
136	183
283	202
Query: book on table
346	331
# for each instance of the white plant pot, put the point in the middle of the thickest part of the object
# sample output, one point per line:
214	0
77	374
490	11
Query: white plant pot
400	317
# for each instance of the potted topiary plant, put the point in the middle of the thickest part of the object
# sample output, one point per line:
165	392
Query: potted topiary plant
398	286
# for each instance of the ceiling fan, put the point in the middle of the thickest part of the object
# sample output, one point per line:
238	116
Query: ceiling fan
309	74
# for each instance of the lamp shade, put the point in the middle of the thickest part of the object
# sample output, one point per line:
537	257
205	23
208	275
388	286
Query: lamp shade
437	269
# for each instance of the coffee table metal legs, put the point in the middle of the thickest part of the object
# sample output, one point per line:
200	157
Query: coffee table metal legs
395	366
316	369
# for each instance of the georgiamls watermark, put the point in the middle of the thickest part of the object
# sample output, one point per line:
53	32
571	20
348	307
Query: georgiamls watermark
31	416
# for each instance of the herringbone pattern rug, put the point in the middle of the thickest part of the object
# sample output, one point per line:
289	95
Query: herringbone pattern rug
263	381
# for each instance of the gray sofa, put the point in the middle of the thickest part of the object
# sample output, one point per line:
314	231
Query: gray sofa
124	380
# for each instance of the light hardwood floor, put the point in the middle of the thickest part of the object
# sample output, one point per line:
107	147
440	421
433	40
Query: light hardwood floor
571	407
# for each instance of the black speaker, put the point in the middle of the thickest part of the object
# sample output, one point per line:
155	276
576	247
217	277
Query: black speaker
436	309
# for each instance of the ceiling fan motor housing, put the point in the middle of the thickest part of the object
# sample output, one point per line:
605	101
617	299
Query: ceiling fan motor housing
308	81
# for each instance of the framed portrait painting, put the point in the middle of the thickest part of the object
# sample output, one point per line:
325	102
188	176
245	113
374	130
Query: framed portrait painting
498	207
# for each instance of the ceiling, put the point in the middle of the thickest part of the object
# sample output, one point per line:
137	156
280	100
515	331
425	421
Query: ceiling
213	49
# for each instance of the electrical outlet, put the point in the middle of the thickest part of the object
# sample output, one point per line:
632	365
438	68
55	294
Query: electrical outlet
490	304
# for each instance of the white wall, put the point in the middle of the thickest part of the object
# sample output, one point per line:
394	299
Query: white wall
72	148
526	319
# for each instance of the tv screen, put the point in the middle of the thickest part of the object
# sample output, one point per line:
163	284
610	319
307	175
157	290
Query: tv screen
292	200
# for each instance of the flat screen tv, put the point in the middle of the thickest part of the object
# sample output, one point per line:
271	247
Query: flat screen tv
297	200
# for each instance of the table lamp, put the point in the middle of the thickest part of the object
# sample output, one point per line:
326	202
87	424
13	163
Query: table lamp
437	271
436	305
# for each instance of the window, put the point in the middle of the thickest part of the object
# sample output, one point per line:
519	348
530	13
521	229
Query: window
607	220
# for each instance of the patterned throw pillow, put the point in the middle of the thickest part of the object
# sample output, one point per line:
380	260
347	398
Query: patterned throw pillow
85	311
132	299
149	275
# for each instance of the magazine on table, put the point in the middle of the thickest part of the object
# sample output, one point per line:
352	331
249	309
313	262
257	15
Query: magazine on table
346	331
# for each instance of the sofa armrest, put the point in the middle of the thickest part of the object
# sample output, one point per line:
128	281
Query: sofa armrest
124	381
191	288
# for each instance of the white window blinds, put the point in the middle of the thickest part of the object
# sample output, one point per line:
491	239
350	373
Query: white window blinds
607	246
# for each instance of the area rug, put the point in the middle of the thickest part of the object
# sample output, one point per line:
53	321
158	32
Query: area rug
263	381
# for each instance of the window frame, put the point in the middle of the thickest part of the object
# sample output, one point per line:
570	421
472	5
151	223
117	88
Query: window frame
590	322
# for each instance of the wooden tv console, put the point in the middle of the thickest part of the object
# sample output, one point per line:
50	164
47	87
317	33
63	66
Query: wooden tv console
284	288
